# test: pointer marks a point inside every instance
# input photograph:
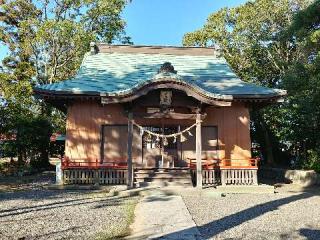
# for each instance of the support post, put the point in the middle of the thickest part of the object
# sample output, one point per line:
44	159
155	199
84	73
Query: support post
130	136
96	177
59	173
223	177
96	174
198	151
255	177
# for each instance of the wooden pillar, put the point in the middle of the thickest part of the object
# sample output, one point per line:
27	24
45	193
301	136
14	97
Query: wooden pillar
255	177
102	144
198	151
96	174
59	173
223	177
96	177
130	136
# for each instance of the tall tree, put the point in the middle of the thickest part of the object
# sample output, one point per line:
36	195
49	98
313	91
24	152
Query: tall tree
54	35
47	40
303	84
249	37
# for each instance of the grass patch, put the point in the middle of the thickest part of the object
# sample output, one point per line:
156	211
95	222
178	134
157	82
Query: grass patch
121	230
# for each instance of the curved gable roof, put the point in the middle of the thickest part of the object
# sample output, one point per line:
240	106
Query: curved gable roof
118	71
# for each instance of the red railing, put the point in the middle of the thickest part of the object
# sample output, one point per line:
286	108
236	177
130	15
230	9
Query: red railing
240	163
66	163
212	163
225	163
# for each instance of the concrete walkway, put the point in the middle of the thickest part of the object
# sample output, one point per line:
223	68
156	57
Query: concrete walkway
162	216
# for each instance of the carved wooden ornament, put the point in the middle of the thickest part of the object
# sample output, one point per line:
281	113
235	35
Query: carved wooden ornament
166	98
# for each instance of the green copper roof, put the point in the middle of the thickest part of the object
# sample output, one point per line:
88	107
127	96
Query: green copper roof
119	73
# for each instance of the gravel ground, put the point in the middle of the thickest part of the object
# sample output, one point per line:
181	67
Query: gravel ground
285	215
37	213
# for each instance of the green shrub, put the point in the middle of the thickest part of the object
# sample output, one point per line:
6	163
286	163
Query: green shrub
313	160
32	143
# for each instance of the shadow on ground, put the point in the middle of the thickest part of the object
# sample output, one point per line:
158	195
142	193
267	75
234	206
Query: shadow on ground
102	202
310	234
216	227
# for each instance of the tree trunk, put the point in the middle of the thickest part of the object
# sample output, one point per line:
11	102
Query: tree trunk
20	149
262	136
268	144
20	158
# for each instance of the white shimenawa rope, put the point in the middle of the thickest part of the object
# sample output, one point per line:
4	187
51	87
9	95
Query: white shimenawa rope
174	135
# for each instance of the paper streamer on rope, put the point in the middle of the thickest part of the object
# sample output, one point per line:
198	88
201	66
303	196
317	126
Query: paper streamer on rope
165	136
182	138
165	141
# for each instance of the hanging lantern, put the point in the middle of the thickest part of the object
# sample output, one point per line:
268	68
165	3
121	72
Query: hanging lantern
183	138
190	134
165	141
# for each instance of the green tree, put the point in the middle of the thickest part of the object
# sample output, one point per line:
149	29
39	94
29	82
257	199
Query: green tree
47	40
302	81
54	35
250	39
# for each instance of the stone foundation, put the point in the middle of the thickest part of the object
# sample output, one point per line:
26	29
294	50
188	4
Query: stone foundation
302	177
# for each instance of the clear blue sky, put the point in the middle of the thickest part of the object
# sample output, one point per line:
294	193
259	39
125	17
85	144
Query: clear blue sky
164	22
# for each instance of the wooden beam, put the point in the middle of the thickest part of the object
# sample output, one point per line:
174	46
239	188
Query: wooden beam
198	151
172	115
130	136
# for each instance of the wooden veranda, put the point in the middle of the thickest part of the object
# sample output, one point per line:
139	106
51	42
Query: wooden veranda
213	173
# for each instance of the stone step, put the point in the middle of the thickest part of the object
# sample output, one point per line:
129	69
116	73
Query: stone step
162	170
162	174
163	179
162	184
165	176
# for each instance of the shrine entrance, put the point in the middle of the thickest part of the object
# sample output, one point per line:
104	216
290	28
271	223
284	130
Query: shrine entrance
161	152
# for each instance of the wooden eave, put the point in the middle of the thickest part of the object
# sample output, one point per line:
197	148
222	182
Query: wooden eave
218	100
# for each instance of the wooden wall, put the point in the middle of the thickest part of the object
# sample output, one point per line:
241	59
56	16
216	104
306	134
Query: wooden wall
233	131
84	122
209	136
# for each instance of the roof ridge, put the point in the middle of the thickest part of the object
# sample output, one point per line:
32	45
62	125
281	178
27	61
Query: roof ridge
160	46
149	49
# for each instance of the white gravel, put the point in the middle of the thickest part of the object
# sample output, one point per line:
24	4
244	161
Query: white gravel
49	214
257	216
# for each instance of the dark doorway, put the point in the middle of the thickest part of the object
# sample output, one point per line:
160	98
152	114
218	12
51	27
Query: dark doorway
159	152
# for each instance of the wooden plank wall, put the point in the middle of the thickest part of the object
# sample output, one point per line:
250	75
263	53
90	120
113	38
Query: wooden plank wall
209	137
115	147
84	122
233	131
